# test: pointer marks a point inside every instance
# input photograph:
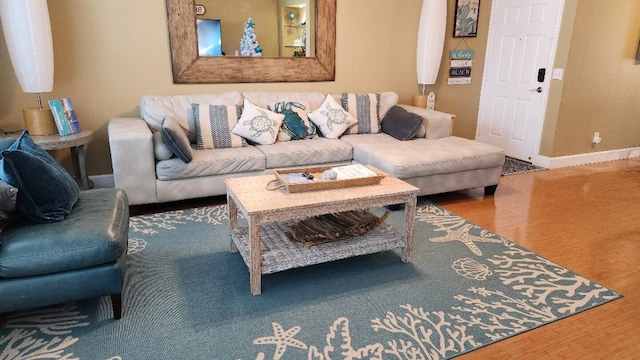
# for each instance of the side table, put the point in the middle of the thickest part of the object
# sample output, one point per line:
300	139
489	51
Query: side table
77	143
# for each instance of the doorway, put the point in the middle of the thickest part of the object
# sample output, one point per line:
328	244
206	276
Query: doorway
521	48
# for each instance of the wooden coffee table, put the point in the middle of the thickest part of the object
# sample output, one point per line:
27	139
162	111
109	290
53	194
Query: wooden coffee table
266	249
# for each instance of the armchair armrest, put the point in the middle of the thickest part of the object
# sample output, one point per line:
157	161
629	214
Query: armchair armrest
437	124
132	159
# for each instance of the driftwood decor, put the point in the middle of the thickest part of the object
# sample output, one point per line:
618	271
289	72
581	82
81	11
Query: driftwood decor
190	68
331	227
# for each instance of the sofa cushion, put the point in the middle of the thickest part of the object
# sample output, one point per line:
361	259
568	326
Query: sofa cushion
176	140
210	162
437	156
306	152
267	98
257	124
331	118
155	108
401	124
160	150
366	109
213	126
46	191
94	233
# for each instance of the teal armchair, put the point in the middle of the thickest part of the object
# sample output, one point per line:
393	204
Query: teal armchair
80	257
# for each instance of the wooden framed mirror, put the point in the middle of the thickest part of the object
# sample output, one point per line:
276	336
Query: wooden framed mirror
190	68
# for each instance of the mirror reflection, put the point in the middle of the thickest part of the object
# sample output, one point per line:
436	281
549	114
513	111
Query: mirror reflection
268	28
190	68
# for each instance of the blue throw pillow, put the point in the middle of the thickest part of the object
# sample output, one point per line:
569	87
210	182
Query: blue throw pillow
5	142
46	191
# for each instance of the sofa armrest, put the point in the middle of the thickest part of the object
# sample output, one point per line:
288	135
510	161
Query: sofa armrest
437	124
132	159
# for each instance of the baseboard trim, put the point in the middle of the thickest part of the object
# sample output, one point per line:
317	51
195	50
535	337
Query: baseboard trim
588	158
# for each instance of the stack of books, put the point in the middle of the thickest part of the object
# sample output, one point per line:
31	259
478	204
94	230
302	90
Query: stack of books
65	116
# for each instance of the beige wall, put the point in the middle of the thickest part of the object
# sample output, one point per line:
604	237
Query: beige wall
110	53
601	90
463	100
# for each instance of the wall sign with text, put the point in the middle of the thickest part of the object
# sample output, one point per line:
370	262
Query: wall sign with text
461	54
460	70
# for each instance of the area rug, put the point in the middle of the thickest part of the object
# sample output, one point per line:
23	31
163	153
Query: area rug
515	166
187	297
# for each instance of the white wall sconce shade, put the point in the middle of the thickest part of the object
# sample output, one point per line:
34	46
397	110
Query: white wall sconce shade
27	32
431	32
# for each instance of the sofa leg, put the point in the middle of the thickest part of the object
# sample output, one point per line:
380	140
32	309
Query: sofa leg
490	190
116	303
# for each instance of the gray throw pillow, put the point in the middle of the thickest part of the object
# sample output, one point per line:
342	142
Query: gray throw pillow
175	138
401	124
8	197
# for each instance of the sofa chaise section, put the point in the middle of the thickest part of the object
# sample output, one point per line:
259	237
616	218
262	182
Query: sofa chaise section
433	165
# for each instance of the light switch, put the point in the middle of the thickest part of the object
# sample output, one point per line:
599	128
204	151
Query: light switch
557	74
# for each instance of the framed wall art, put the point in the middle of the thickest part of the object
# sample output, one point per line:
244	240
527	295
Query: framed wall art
466	18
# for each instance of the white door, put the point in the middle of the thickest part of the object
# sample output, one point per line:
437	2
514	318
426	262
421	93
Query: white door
522	41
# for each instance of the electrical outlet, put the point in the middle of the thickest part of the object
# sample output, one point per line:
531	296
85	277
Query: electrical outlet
557	74
596	138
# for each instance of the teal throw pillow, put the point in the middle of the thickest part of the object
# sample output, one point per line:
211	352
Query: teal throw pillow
46	191
176	139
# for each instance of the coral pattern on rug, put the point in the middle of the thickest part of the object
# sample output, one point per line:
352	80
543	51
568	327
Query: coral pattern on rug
35	334
534	291
442	333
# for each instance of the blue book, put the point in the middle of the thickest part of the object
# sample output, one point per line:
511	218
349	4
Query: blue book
70	113
64	128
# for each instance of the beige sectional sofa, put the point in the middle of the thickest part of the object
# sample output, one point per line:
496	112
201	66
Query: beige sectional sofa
434	161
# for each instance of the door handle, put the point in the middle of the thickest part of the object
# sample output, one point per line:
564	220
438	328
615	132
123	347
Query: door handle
538	89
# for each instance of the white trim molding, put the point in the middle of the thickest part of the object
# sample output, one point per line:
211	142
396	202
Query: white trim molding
587	158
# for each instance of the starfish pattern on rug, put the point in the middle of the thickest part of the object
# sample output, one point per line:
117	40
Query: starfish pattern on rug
281	339
462	234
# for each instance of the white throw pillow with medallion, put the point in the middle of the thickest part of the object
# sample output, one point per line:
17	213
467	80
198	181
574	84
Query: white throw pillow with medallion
258	125
331	118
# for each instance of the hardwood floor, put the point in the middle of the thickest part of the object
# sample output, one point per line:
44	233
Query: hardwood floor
585	218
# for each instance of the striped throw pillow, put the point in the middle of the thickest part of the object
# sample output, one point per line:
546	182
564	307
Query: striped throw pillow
213	126
366	109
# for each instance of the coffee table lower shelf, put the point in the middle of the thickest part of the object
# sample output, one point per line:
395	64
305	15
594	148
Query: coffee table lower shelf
279	253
